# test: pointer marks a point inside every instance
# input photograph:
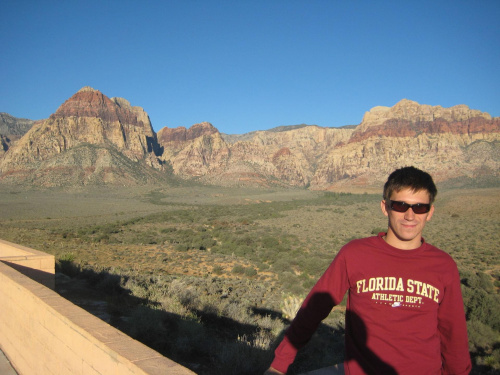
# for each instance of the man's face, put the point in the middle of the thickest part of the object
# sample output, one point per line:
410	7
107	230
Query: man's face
405	228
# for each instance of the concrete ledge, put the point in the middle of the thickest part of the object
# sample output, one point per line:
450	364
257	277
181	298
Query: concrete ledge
35	264
42	333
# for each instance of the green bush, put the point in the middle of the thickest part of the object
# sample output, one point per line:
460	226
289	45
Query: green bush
250	272
482	306
481	336
238	269
66	264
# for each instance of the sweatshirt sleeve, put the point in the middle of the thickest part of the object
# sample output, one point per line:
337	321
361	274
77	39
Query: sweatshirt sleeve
453	329
328	292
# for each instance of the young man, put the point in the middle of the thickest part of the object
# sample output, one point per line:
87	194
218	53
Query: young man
405	313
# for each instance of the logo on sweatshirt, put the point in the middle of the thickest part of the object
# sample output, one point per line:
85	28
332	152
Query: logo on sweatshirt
398	292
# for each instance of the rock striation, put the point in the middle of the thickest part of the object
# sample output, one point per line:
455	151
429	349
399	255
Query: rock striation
93	128
452	143
408	118
93	139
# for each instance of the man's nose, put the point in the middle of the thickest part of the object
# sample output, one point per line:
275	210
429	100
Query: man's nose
409	214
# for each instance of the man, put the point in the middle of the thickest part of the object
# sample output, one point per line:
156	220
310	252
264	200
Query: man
405	311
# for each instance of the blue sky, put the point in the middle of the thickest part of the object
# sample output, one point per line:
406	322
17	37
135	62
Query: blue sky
250	65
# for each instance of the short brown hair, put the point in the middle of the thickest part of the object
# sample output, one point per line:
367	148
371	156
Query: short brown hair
412	178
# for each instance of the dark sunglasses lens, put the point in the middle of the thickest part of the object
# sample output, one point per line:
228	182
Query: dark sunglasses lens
421	208
399	206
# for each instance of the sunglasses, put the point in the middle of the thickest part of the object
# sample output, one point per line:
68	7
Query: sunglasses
418	208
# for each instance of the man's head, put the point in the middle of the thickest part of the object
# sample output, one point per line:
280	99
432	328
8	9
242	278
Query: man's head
408	197
410	178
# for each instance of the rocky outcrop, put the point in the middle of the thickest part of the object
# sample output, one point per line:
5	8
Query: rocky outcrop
87	119
93	139
11	130
181	134
264	158
448	142
10	125
409	119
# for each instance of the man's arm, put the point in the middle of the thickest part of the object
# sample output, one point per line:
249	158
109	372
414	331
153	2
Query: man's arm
328	292
453	329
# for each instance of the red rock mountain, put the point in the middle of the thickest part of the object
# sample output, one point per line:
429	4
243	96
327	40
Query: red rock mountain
90	139
93	139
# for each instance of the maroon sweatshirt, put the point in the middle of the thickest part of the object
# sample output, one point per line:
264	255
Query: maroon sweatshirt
404	315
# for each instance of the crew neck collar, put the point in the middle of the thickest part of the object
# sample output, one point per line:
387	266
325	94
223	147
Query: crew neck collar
381	238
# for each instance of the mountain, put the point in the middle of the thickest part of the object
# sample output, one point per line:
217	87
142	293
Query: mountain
454	143
11	130
10	125
90	139
93	139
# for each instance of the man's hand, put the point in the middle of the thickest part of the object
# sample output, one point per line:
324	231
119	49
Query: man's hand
271	371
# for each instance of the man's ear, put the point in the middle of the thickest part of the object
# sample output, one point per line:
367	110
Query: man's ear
431	212
383	206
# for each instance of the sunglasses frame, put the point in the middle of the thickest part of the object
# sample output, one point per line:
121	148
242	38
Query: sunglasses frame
417	206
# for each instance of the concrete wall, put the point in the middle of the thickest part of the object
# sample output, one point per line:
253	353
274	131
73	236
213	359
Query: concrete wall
42	333
35	264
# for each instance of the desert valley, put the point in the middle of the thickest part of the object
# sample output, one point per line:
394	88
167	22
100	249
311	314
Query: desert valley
202	244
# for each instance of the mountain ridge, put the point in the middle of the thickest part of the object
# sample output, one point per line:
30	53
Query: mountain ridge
449	142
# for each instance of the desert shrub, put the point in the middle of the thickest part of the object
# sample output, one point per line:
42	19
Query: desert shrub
229	356
477	280
308	283
234	310
290	305
218	270
243	250
314	265
481	336
270	242
107	282
186	295
262	266
145	323
146	238
182	247
485	282
208	243
245	240
291	283
335	196
66	257
482	306
281	265
250	272
135	288
168	230
66	264
238	269
274	325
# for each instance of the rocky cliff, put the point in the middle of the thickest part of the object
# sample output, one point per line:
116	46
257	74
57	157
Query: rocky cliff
95	139
89	139
10	125
11	130
450	143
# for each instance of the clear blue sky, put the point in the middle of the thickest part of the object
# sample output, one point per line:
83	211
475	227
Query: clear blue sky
250	65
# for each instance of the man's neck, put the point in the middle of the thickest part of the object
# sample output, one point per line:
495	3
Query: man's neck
398	243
